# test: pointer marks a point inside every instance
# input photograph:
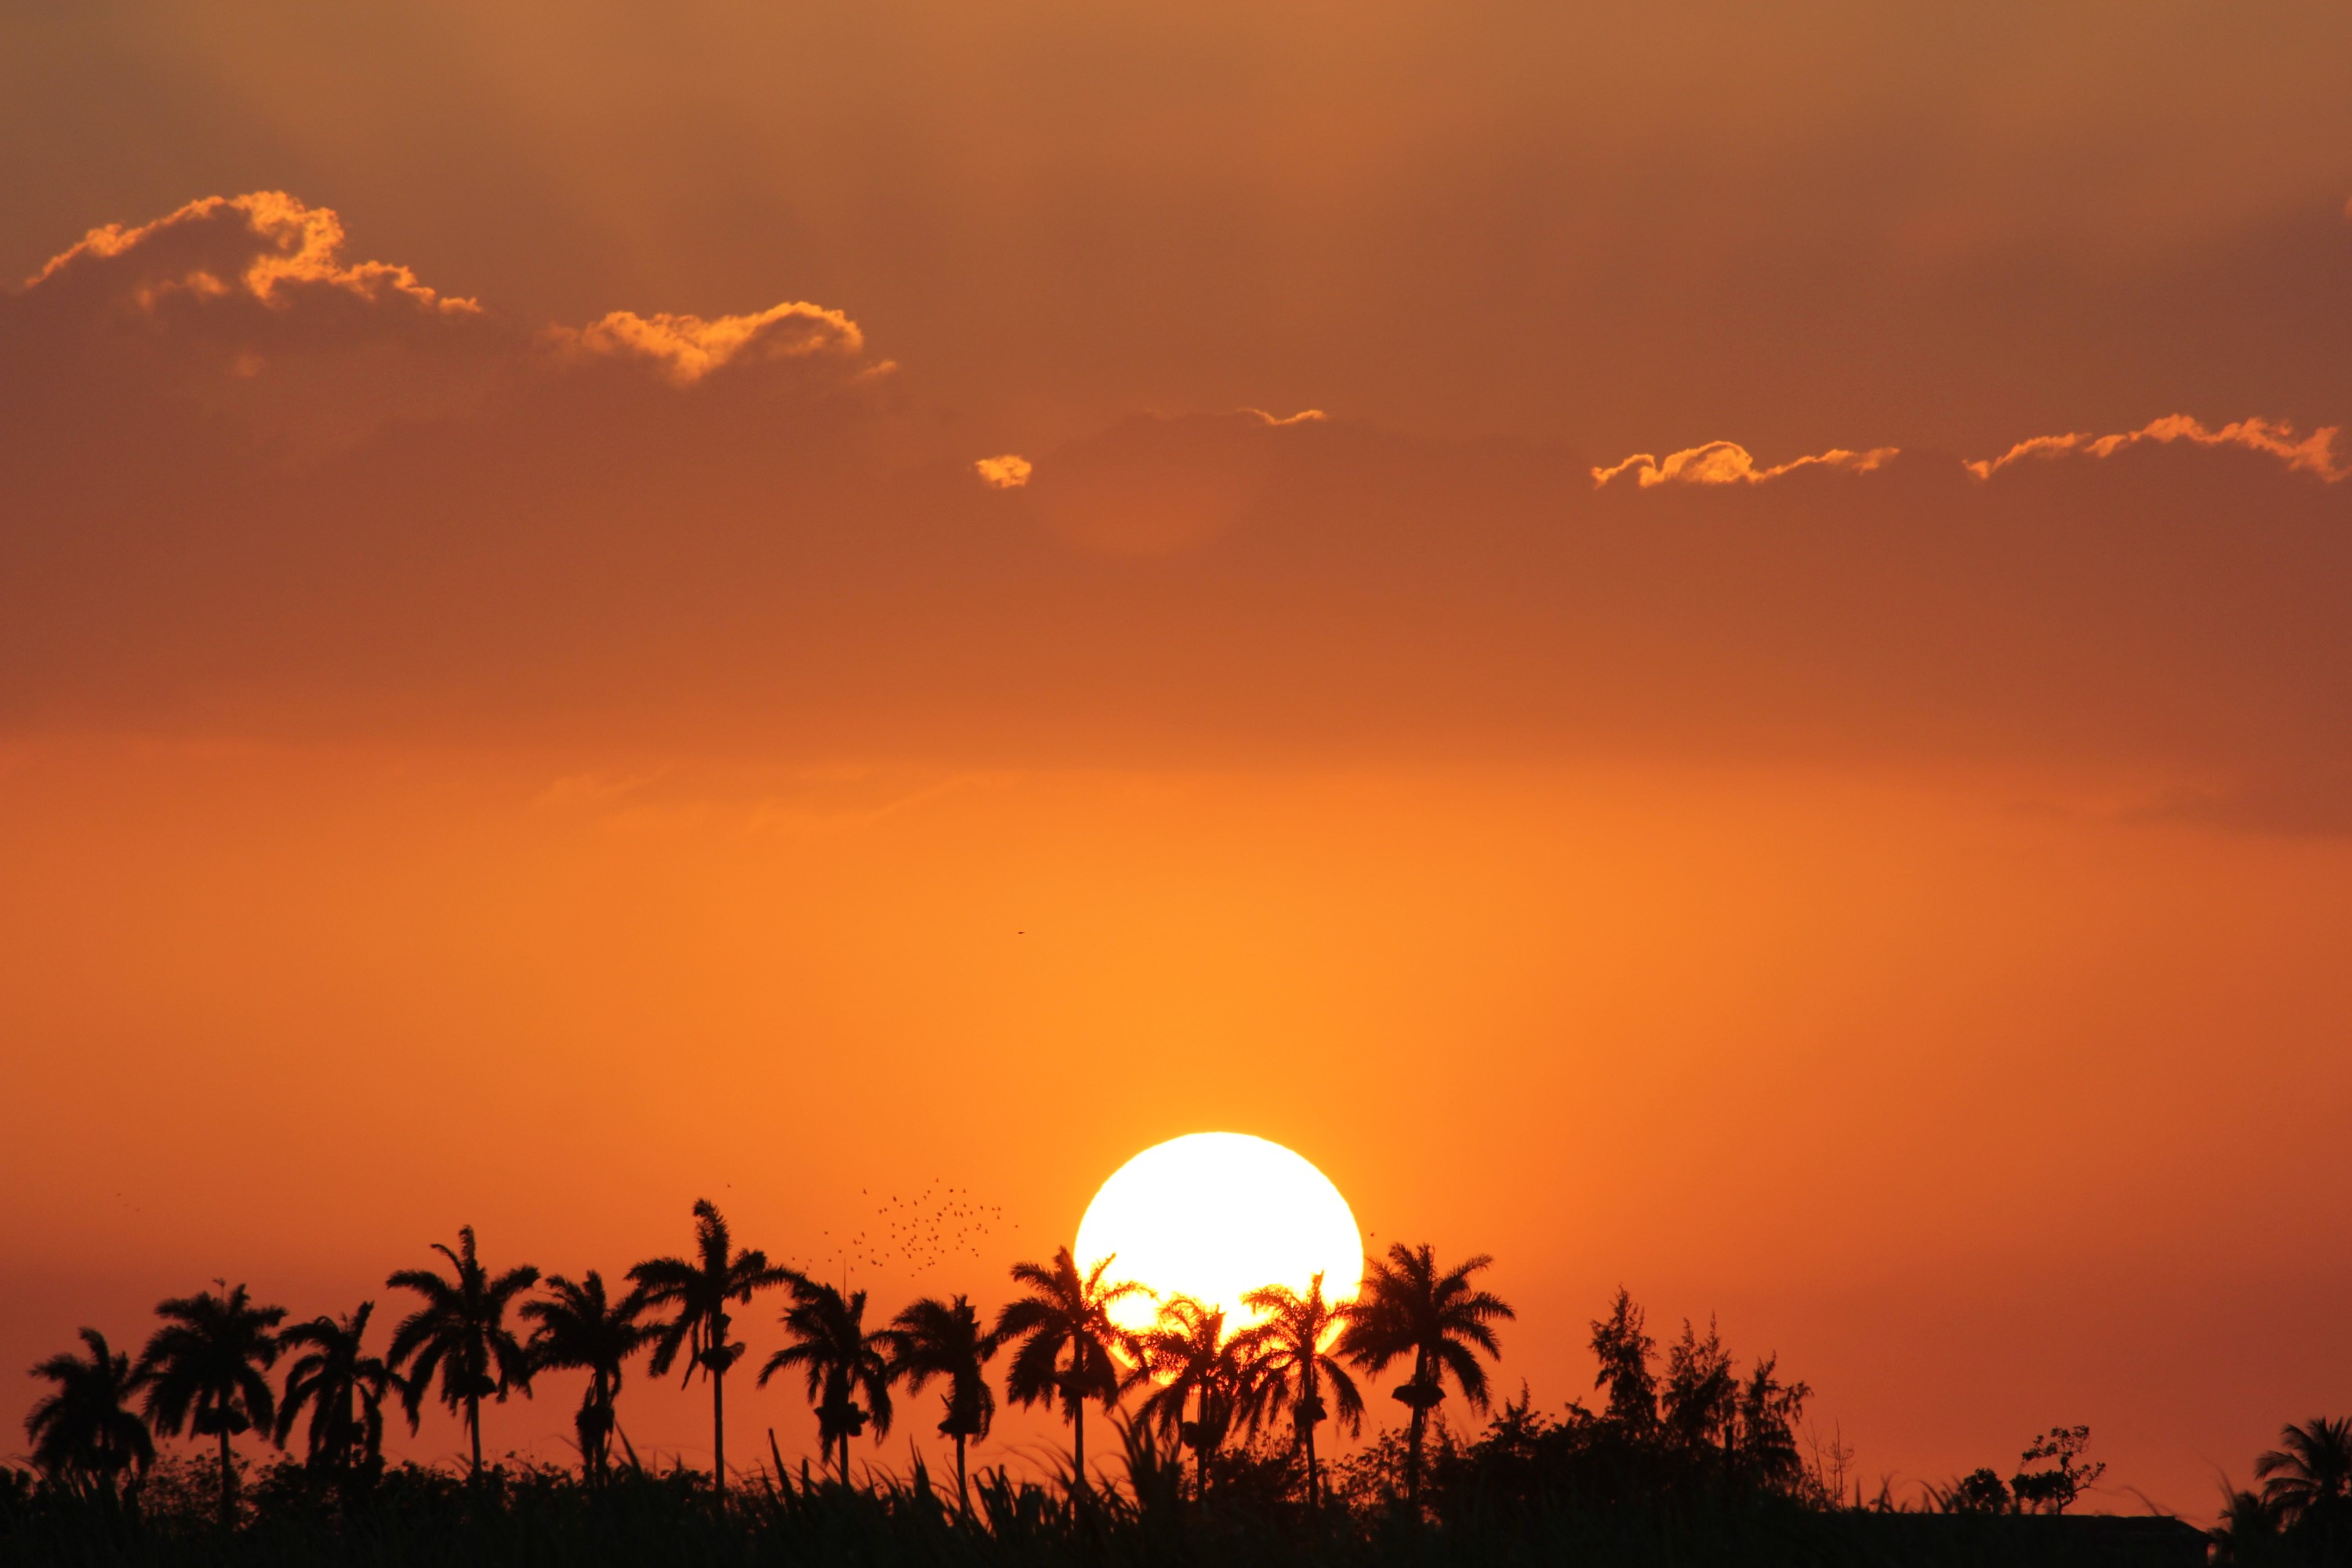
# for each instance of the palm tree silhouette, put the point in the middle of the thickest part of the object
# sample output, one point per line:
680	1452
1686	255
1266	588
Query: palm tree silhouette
1190	1357
698	1288
2309	1474
842	1360
942	1338
1409	1308
1066	1311
85	1431
579	1328
461	1330
344	1388
1292	1350
203	1370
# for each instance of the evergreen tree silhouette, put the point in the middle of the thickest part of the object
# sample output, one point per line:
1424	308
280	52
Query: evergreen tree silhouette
203	1370
1188	1355
579	1328
1065	1312
85	1431
1293	1348
2309	1476
841	1359
944	1340
342	1386
461	1332
1410	1307
697	1290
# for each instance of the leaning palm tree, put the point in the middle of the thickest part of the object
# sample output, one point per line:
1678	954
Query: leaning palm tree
1409	1308
1190	1357
579	1328
944	1340
344	1386
85	1432
1066	1311
842	1359
1292	1350
697	1290
461	1331
2309	1474
203	1370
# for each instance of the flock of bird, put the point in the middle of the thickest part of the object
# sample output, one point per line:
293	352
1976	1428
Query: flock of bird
910	1234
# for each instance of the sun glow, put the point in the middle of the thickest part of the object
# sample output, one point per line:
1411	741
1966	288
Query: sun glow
1213	1215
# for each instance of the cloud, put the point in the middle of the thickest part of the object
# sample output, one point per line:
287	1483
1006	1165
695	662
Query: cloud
1008	472
685	349
1728	463
2314	453
265	246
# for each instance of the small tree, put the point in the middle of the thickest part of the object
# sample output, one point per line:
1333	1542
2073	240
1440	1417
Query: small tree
2062	1475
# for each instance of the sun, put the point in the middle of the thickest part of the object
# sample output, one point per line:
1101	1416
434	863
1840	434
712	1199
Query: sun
1215	1214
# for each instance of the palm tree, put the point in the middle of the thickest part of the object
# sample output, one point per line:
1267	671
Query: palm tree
84	1430
842	1360
2309	1475
1064	1311
344	1386
1189	1356
1409	1308
1292	1350
203	1370
461	1330
579	1327
698	1289
942	1338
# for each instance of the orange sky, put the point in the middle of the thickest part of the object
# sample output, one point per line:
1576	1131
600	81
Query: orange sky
518	707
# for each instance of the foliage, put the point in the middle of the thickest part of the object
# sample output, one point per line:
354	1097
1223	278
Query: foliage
461	1332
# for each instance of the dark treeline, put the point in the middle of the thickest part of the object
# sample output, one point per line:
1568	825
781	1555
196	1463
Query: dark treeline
1680	1456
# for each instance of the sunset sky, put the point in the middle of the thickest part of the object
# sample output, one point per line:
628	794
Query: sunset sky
1703	645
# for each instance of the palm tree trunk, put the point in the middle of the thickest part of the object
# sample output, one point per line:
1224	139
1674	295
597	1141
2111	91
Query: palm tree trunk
1419	1425
964	1492
228	1477
719	1429
1078	1413
474	1426
1314	1475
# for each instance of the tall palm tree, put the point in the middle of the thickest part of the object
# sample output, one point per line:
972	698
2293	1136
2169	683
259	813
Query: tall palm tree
85	1431
944	1340
344	1387
203	1370
697	1290
579	1328
461	1330
1409	1308
2309	1474
1065	1311
1293	1349
1188	1356
842	1360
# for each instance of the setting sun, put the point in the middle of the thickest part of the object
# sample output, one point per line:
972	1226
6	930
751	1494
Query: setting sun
1213	1215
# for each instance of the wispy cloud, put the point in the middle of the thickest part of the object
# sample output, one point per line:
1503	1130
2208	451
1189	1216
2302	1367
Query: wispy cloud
1729	463
684	349
2312	454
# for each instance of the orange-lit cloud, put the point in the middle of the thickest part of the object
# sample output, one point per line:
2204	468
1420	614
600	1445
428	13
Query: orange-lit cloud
684	349
1008	472
2314	453
265	245
1728	463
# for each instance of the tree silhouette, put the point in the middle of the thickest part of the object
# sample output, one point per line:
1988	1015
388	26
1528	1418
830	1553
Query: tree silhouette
2309	1476
344	1388
461	1331
1188	1356
1410	1307
1065	1312
697	1290
579	1328
203	1370
841	1359
1622	1346
1293	1349
85	1431
944	1340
